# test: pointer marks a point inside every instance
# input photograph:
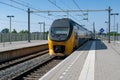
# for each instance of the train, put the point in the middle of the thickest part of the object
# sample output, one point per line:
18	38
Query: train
65	35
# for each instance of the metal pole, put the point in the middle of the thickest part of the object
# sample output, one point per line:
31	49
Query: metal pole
114	14
42	23
28	25
109	12
40	31
10	28
44	30
117	31
114	28
94	29
3	39
40	28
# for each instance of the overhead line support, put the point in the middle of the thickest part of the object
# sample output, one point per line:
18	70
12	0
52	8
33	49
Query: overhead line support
47	11
29	25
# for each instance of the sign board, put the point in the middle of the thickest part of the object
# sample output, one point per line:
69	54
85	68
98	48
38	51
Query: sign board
3	31
101	30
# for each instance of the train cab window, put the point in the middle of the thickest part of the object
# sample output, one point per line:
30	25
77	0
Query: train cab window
59	33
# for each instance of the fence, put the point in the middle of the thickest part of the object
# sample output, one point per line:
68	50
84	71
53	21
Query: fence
112	38
5	37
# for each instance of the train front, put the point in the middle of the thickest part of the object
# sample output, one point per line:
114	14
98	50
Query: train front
60	39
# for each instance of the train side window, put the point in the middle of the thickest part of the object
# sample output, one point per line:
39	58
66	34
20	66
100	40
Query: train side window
76	35
77	27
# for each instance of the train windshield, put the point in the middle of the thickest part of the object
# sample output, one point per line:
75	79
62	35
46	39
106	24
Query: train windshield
59	33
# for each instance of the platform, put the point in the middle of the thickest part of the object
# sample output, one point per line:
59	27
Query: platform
20	44
96	60
21	48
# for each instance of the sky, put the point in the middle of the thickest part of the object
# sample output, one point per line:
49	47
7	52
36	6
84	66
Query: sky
18	8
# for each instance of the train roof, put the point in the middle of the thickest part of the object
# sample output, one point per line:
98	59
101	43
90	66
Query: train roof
65	22
61	22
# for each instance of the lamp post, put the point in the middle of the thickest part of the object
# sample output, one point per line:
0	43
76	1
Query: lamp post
40	27
109	12
10	16
117	31
107	32
43	28
114	14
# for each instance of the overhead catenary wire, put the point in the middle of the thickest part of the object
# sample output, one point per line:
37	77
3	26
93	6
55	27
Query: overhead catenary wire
61	9
13	6
33	8
22	10
19	8
19	3
79	8
66	5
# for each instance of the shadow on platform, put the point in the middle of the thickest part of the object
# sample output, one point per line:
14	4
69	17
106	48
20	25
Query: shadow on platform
99	45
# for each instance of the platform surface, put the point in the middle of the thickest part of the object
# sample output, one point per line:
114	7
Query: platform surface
20	44
95	60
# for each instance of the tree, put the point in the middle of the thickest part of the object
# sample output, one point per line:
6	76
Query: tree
46	32
23	31
113	33
26	31
6	30
14	31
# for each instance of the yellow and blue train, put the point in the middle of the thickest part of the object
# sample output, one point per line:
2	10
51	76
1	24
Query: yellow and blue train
65	35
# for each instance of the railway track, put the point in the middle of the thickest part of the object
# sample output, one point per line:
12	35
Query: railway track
15	68
20	60
39	71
